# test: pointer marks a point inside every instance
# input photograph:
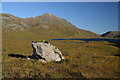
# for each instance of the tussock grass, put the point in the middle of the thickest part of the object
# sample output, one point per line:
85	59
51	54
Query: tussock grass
94	59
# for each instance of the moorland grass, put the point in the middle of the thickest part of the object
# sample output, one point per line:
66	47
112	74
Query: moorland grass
94	59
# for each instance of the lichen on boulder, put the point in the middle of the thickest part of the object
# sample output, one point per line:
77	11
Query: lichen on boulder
46	52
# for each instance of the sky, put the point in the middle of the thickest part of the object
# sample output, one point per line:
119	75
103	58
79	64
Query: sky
60	0
98	17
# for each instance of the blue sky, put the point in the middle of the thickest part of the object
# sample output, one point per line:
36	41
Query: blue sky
98	17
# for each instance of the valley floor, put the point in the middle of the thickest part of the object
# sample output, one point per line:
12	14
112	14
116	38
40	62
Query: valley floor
95	59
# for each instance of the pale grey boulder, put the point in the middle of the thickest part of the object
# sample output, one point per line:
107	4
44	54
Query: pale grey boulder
46	52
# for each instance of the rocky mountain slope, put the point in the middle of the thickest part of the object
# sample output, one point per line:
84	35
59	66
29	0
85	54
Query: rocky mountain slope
47	25
112	34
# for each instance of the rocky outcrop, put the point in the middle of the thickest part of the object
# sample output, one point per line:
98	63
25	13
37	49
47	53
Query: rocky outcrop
46	52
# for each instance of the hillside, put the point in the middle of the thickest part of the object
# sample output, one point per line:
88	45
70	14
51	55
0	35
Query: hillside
83	60
44	26
111	34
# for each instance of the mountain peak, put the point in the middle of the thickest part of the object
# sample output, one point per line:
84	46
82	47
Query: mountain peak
48	14
45	25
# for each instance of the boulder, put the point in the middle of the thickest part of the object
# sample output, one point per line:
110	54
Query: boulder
46	52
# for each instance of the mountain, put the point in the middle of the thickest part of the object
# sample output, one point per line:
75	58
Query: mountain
111	34
43	26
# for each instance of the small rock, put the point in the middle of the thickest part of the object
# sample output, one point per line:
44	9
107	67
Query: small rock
28	58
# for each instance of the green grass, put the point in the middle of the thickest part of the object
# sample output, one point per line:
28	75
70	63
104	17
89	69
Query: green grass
90	60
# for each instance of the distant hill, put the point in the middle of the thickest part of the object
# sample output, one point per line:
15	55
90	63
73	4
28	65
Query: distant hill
112	34
44	26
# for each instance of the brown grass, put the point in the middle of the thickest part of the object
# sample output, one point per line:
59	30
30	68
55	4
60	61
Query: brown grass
94	59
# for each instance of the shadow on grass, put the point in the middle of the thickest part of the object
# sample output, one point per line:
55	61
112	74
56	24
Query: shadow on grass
117	55
116	45
20	56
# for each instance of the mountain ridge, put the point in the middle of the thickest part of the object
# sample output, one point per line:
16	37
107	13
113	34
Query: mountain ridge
46	24
111	34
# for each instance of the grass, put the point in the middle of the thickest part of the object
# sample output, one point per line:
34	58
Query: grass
94	59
